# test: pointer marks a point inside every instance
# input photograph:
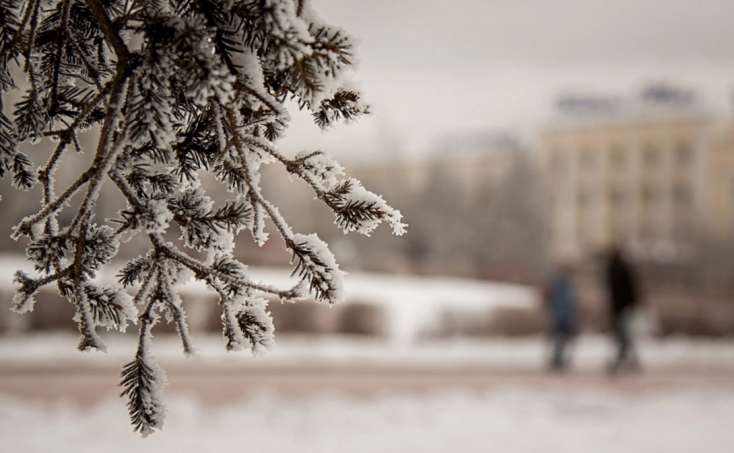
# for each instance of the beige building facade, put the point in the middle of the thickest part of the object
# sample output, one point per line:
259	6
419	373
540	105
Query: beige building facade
651	175
721	185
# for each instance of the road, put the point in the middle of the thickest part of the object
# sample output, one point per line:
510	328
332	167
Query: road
216	385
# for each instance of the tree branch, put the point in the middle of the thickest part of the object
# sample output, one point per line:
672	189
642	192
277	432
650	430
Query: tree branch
110	34
60	41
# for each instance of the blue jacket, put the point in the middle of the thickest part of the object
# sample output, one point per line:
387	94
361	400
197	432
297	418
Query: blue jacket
561	301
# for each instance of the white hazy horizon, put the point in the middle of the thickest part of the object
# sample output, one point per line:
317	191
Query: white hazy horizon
434	68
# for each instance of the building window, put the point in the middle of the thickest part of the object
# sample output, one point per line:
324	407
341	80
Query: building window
618	157
584	197
683	154
650	194
583	228
647	232
588	159
681	232
651	156
558	161
616	196
682	194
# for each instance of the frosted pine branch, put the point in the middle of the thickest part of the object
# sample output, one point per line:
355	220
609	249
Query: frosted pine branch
175	89
143	379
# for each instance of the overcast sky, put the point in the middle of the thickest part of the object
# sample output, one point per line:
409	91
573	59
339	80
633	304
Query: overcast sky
432	68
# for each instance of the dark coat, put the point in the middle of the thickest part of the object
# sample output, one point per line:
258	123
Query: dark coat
621	284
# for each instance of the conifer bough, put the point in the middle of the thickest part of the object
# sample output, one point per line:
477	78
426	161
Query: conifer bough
176	89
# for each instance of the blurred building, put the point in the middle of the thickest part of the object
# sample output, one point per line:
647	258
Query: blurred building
721	185
471	159
474	205
652	172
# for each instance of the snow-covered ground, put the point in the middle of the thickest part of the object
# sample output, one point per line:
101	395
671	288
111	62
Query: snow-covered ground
510	421
515	413
520	410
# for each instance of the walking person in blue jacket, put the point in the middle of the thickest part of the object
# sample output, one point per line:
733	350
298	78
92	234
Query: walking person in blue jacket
561	306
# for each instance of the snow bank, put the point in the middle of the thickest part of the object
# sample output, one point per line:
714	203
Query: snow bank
412	304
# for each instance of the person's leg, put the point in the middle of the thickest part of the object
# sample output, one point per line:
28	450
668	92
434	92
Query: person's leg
624	338
558	359
631	359
555	359
563	353
620	341
568	349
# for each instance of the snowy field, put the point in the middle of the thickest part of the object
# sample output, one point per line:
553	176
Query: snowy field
513	420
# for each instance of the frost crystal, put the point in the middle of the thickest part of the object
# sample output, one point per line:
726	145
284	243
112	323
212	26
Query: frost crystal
325	171
315	263
156	216
24	298
247	324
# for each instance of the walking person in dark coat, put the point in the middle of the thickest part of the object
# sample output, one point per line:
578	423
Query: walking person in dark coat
560	300
623	298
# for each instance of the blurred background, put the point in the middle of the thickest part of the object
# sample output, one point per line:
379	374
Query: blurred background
515	137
